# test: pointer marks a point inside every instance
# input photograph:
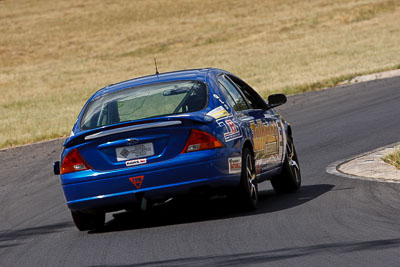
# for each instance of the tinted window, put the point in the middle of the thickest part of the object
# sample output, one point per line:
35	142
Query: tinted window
232	95
252	98
227	96
144	102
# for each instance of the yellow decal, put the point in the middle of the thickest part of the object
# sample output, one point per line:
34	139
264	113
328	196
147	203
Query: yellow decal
218	112
265	137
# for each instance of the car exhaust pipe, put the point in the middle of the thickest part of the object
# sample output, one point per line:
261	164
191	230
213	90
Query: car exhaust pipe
142	201
143	204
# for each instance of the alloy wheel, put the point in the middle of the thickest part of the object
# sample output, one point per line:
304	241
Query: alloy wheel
251	178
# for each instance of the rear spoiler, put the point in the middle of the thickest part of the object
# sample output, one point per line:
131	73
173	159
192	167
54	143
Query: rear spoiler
132	128
137	125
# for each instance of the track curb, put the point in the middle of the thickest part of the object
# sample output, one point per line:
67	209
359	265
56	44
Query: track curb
334	168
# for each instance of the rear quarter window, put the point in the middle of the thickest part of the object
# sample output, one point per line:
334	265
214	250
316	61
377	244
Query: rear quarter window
231	94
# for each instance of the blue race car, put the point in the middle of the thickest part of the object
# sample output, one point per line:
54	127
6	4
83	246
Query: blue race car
145	140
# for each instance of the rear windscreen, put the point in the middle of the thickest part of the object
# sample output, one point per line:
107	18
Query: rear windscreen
145	102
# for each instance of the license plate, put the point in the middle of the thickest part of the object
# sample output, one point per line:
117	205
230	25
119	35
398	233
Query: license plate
134	152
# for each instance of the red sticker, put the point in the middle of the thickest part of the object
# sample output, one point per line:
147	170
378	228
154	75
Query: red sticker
231	126
137	181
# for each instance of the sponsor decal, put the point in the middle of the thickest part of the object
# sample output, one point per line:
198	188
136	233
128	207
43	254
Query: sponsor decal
232	129
137	181
135	162
218	112
221	101
265	137
235	165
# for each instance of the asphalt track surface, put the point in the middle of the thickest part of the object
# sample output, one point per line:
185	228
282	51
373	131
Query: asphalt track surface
332	221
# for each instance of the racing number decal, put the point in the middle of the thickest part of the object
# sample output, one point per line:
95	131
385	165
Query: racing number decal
137	181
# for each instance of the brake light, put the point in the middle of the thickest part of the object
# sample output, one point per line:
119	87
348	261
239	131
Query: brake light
199	140
74	162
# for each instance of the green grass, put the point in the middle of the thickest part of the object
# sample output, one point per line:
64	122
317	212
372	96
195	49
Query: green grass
55	54
393	158
290	90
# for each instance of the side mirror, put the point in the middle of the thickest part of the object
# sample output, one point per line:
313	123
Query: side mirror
276	100
56	167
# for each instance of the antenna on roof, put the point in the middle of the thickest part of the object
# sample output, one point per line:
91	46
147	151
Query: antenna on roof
155	63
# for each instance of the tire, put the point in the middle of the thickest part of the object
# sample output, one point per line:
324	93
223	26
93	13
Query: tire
248	190
88	221
289	180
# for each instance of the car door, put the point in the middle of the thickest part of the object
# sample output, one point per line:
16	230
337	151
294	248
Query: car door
252	111
266	128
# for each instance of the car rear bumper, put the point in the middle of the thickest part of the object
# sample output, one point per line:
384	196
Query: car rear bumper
116	189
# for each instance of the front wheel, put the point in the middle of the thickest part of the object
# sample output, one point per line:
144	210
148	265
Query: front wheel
290	178
88	221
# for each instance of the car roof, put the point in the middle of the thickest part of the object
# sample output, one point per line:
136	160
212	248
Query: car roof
192	74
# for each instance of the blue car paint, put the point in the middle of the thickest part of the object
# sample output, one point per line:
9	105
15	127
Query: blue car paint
175	175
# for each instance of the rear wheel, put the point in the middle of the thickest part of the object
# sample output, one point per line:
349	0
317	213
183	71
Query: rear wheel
290	178
248	191
88	221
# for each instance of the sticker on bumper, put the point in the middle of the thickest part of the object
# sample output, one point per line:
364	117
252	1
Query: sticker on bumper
235	165
134	162
137	181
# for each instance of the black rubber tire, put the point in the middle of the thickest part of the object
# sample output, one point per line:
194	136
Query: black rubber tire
88	221
289	180
248	190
